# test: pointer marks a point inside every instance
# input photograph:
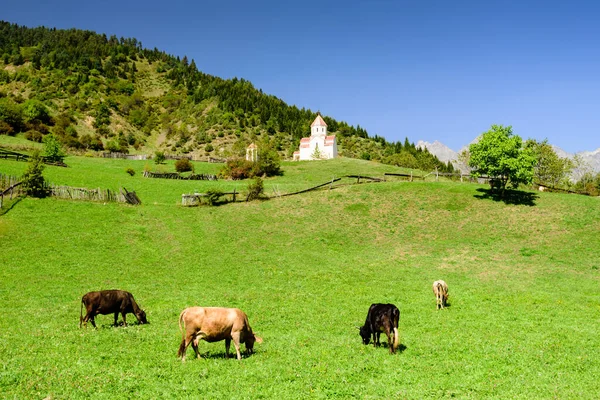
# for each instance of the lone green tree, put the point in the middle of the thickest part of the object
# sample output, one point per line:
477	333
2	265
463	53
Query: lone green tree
501	155
33	180
549	169
52	149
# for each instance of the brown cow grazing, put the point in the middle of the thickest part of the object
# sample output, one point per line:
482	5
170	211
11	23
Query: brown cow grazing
109	302
214	324
440	289
381	318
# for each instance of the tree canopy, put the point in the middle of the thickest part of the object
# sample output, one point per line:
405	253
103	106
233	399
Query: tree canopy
501	155
549	168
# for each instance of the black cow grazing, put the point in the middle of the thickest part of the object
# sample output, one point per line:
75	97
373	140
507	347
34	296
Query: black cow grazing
109	302
381	318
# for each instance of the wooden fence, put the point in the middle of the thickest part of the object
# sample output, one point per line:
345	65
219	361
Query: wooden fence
195	199
176	175
13	155
409	177
125	156
13	190
102	195
368	178
8	180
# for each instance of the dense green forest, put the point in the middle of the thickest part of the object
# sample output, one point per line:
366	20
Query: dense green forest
95	92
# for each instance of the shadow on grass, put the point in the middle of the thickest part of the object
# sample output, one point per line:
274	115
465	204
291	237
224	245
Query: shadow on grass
515	197
399	349
216	355
5	210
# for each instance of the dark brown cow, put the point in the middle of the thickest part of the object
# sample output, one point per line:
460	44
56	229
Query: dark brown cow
381	318
214	324
110	302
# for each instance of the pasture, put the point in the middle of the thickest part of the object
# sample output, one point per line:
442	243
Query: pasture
523	283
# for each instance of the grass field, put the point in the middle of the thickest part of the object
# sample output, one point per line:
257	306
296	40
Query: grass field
524	289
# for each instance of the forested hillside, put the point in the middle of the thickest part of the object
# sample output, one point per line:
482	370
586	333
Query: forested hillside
95	92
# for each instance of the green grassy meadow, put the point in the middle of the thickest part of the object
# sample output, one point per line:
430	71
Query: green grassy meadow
524	288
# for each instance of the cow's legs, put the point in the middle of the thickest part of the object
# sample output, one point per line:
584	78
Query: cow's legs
227	345
390	340
92	320
195	342
123	313
116	317
236	343
183	347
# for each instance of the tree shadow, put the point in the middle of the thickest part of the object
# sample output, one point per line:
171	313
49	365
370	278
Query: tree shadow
12	205
515	197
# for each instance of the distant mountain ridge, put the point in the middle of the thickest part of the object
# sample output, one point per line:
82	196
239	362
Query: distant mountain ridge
445	154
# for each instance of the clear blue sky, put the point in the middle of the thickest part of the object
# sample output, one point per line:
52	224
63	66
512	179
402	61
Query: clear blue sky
431	70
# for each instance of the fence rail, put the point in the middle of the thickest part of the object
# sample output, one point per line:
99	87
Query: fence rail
125	156
359	177
13	190
195	199
8	180
8	154
175	175
102	195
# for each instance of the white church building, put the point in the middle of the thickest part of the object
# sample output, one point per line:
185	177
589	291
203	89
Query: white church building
318	146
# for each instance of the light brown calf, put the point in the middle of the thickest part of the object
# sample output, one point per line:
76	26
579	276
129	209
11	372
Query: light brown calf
213	324
440	289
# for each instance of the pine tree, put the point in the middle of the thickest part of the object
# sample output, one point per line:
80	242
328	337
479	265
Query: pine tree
33	180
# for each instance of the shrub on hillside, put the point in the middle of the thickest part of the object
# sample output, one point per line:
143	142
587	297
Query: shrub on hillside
255	189
237	168
208	148
159	157
34	136
183	165
130	171
269	163
33	180
6	129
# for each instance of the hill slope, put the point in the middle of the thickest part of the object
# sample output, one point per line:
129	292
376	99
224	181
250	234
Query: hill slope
522	321
97	92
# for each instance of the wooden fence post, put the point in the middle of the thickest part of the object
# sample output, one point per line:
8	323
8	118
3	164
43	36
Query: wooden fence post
234	189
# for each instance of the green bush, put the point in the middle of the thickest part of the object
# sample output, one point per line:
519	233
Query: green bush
35	110
208	148
159	157
255	189
238	168
183	165
130	171
33	179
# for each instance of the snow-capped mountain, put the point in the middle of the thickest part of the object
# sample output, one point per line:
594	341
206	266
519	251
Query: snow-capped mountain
445	154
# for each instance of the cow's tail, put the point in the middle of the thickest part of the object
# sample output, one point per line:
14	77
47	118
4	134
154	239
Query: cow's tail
396	335
182	345
81	314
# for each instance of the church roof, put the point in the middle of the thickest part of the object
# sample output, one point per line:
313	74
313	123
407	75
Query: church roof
252	146
319	121
329	140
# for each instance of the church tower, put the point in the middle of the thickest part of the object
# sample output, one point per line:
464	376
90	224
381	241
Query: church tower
318	127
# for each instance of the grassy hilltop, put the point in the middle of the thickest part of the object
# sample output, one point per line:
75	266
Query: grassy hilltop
523	320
